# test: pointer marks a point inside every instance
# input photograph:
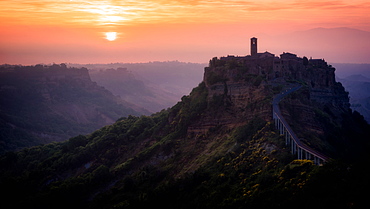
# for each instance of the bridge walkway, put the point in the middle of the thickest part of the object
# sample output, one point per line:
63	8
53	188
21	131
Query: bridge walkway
297	148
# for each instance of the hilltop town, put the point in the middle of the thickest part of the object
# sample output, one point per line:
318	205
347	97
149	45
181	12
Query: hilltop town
271	67
243	86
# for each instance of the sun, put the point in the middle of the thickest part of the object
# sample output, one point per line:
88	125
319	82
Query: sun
111	36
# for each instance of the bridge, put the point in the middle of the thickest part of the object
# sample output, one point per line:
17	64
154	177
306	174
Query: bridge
297	148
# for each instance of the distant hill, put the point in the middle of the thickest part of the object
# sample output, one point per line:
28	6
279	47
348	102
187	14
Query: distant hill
344	70
123	83
41	104
338	45
359	78
358	87
356	79
153	85
335	44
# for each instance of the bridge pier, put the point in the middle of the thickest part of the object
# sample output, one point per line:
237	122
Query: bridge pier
294	147
286	139
300	154
307	155
316	160
281	128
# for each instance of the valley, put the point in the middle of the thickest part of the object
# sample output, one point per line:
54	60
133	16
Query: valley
218	147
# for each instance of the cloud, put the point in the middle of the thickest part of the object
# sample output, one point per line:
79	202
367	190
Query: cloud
138	10
102	12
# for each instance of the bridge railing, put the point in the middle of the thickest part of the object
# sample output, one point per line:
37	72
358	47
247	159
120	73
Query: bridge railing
296	146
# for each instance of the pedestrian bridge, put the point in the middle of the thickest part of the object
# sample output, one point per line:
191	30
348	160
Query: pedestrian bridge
300	150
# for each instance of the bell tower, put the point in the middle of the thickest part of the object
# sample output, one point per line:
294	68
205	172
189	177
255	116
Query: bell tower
253	46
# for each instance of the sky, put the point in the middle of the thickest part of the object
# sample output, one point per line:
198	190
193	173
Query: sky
109	31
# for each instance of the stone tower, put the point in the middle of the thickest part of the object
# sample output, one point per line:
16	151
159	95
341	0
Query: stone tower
253	46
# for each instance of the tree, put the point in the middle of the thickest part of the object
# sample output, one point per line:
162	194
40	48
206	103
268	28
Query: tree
305	61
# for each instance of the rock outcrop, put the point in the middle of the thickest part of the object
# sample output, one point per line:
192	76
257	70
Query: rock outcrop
242	88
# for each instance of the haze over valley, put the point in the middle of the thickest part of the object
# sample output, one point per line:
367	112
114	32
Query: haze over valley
218	140
153	86
184	104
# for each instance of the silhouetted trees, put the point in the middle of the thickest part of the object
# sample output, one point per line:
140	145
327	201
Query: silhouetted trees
305	61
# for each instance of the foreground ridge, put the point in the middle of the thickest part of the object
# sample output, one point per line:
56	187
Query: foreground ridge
297	147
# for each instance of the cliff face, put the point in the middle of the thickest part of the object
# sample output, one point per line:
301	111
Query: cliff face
40	104
324	90
232	101
244	85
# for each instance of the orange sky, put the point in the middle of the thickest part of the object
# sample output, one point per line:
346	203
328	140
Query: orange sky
74	31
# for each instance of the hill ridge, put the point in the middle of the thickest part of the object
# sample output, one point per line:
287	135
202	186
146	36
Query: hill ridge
41	104
216	148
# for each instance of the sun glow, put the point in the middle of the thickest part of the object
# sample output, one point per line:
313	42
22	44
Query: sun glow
111	20
65	29
111	36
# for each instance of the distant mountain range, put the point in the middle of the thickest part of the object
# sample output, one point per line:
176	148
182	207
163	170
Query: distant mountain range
338	45
358	78
358	87
343	70
153	85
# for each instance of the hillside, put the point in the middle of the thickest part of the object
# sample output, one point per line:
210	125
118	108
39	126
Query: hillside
41	104
216	148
